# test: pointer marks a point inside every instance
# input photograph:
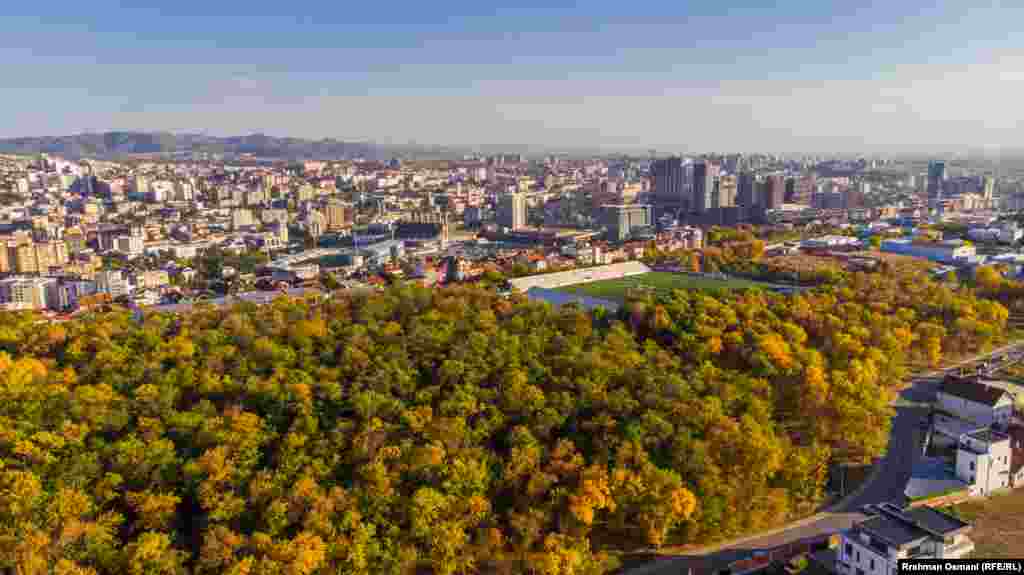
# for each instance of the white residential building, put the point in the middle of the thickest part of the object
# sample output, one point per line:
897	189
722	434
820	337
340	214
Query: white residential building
274	215
874	546
983	460
24	293
112	282
152	279
241	218
184	191
132	245
975	402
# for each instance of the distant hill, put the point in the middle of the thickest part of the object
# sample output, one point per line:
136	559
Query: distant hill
115	144
110	145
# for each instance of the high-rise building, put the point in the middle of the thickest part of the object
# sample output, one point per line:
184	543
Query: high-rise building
255	196
774	191
790	189
936	179
429	223
241	218
130	245
669	181
112	282
56	252
184	191
602	193
20	293
746	190
704	176
512	211
271	215
22	256
853	198
339	215
139	185
305	193
621	220
726	192
805	186
315	224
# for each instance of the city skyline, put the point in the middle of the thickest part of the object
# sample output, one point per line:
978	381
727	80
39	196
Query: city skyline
912	77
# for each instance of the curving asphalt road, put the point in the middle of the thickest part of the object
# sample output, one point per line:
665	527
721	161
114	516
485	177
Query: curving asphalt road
886	485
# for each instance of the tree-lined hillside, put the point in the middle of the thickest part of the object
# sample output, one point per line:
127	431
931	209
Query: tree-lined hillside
449	431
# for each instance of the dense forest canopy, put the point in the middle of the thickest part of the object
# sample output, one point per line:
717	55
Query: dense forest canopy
447	431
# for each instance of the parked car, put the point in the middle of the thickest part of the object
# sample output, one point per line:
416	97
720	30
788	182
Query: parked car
870	509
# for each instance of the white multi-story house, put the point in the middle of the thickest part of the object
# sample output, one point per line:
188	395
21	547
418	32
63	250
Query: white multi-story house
874	546
975	402
983	461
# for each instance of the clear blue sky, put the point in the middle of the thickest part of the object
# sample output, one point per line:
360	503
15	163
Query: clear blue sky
675	75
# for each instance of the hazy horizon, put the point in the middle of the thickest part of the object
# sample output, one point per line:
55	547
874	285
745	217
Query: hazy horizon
912	77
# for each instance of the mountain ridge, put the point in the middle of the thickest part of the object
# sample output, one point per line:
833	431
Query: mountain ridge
128	143
121	143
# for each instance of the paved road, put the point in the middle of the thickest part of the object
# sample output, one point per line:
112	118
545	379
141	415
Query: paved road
905	446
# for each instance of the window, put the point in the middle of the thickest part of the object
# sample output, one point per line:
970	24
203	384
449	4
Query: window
849	550
860	571
872	564
971	480
858	555
972	466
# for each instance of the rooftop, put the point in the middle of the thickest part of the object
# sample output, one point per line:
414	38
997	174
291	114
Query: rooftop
972	391
892	531
583	275
906	526
989	436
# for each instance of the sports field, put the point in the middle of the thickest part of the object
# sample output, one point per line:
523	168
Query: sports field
615	289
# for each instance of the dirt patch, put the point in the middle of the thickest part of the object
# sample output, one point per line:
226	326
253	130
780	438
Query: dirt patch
998	531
